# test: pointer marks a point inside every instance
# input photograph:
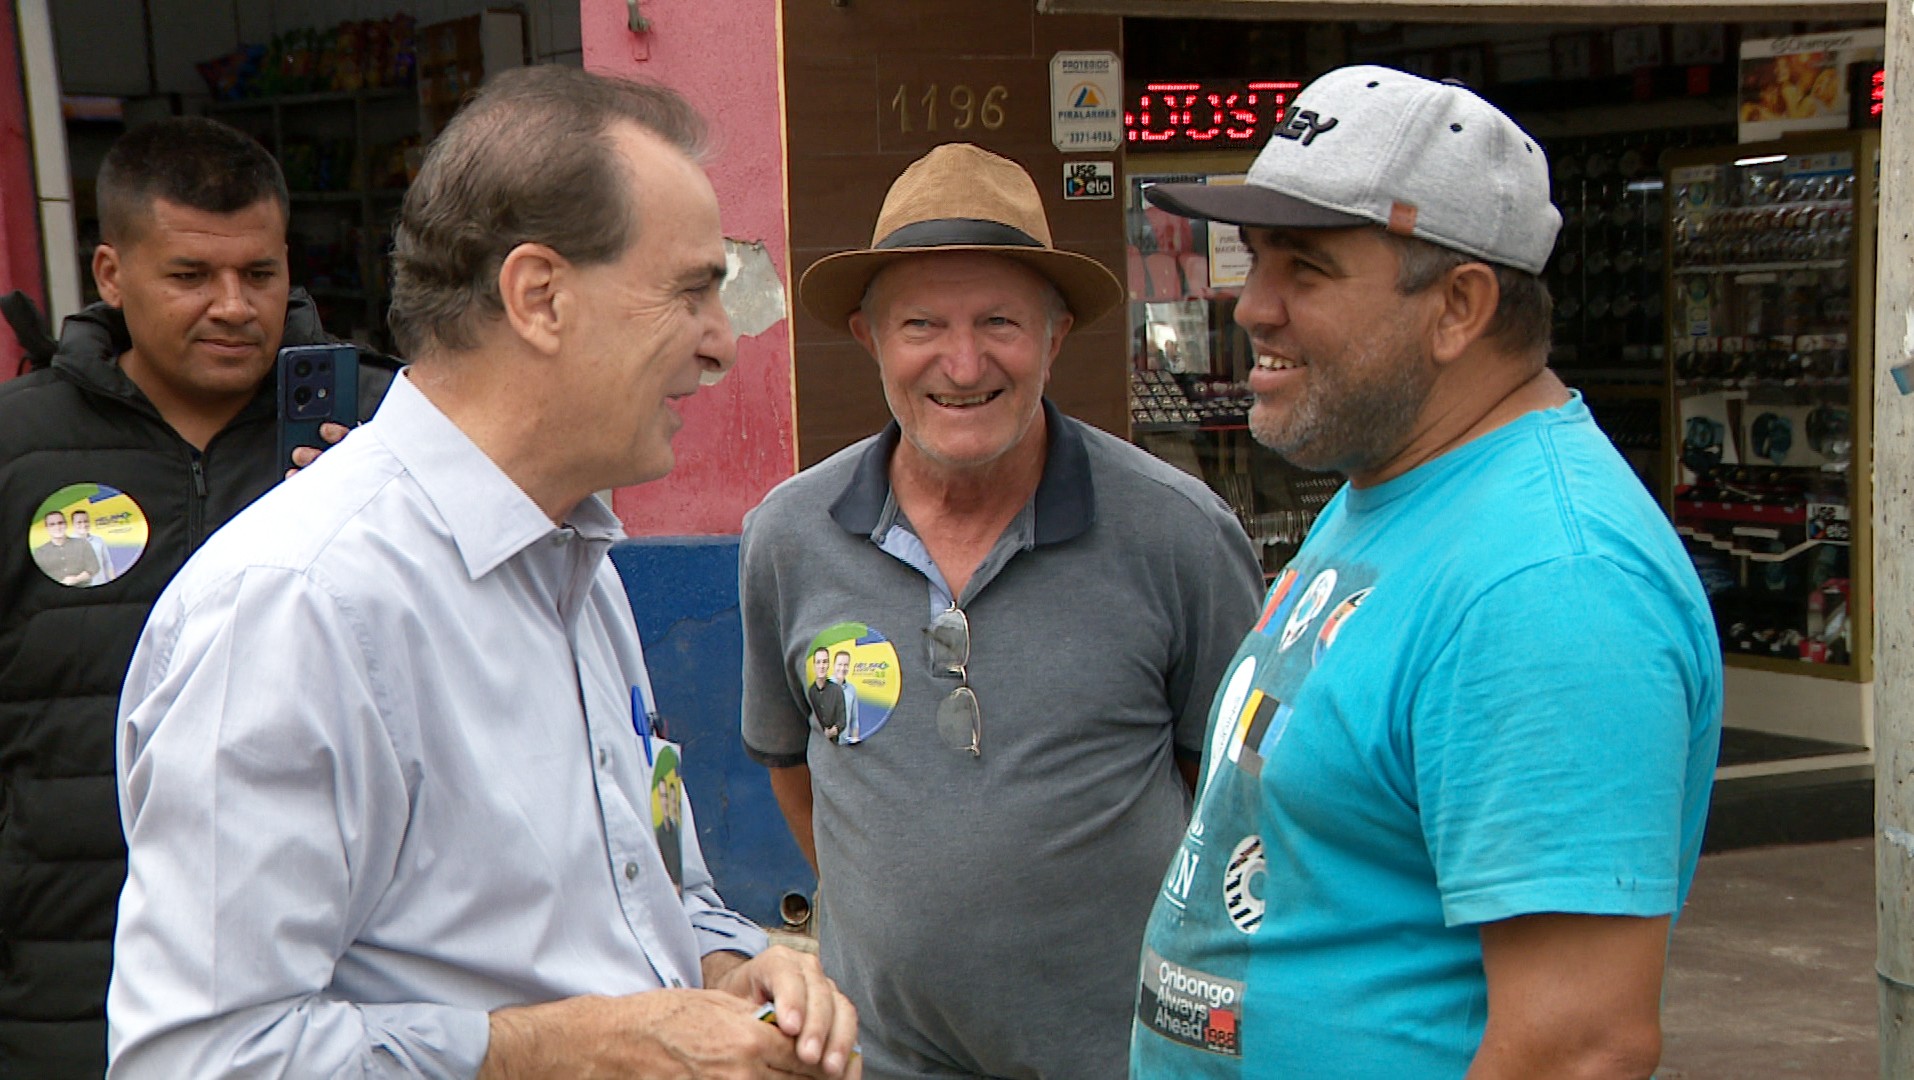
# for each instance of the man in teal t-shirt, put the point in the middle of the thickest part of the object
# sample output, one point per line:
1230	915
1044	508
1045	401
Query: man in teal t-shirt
1456	777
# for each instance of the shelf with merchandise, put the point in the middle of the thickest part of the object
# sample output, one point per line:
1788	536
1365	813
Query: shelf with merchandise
1606	274
1760	267
1712	385
1189	363
344	154
1769	339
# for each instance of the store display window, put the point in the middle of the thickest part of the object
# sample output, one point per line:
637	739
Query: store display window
1189	369
1769	328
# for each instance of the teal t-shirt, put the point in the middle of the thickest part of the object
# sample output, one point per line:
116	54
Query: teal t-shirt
1490	687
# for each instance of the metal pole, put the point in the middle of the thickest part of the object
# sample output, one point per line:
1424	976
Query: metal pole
59	240
1894	557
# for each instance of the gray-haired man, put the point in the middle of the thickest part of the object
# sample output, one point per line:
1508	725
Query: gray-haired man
1036	615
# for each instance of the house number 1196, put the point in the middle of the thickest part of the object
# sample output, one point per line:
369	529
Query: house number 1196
961	107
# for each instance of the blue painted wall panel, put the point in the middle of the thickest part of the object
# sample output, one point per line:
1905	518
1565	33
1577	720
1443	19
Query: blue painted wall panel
684	594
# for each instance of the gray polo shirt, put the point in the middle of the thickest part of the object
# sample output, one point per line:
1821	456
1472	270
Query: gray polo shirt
985	914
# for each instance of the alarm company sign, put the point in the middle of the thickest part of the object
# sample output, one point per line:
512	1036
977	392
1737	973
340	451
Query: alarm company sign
1086	91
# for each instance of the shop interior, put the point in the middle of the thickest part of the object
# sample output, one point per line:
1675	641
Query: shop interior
1712	291
344	93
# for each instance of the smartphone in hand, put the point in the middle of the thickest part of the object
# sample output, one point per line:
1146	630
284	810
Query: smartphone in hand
318	384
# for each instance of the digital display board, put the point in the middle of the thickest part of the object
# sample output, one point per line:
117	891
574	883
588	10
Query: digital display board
1204	114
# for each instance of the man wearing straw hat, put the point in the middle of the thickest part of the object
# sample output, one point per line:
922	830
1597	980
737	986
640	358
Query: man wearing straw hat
1439	834
1038	615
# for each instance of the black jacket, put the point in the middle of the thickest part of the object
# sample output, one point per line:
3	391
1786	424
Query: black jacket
64	652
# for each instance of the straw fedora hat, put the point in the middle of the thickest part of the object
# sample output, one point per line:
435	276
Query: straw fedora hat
960	197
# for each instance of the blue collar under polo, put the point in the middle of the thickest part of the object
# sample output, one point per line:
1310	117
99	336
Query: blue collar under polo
1065	503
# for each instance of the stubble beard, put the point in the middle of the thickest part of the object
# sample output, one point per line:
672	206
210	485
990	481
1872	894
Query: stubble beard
1354	414
936	457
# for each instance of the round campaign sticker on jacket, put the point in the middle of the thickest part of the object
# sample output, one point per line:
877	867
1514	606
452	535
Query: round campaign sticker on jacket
851	682
85	535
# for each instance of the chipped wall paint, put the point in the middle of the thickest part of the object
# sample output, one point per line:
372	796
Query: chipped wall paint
1900	838
753	291
739	438
1903	372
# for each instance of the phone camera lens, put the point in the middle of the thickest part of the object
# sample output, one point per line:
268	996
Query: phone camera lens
302	369
301	396
325	367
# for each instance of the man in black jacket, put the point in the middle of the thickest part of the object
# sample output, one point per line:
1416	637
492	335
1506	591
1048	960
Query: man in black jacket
156	418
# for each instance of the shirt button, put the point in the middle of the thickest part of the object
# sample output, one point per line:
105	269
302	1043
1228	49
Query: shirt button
603	757
631	870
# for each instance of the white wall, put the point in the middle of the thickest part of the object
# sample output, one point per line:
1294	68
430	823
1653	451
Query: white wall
1797	705
102	51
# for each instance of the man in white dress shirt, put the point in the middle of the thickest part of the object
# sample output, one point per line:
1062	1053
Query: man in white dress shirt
386	807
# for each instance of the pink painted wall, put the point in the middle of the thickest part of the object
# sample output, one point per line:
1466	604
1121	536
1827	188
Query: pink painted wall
19	219
739	437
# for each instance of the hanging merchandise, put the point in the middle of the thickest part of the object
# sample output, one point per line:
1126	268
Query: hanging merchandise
1772	262
1828	433
1189	392
1701	445
364	54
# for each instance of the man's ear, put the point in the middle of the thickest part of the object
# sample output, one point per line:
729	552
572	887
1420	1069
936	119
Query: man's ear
861	330
1058	332
106	273
531	290
1469	296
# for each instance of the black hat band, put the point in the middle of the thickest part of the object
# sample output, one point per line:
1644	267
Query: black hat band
957	232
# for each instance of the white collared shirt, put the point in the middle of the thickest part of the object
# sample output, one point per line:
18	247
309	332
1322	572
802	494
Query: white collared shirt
378	777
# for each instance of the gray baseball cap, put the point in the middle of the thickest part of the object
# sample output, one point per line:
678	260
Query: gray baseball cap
1373	145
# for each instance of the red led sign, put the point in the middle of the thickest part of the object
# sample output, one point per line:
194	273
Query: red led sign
1207	114
1867	93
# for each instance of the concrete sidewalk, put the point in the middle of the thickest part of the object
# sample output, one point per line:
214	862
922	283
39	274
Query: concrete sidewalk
1771	973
